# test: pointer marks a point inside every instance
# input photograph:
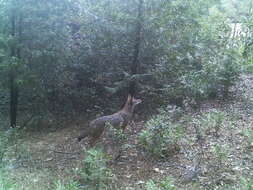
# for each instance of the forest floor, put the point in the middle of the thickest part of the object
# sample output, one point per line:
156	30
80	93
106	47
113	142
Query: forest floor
222	161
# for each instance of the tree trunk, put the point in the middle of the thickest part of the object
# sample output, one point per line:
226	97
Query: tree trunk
135	63
13	99
15	53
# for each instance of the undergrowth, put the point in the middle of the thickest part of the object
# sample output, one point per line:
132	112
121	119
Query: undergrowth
161	136
165	184
95	173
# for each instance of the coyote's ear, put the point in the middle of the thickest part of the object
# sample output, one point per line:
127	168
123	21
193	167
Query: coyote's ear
129	98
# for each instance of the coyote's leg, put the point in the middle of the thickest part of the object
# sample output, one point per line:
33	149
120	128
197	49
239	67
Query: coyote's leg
95	138
93	141
123	128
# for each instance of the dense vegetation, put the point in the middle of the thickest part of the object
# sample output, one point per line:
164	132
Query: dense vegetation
62	60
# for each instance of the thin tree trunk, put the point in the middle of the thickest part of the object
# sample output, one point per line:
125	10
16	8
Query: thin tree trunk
15	52
13	99
135	63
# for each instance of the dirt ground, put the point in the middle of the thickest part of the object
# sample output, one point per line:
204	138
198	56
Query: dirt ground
58	152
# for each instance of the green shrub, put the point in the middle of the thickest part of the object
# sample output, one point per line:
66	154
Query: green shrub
228	73
165	184
150	185
248	68
210	122
246	184
117	136
72	185
196	85
248	133
6	138
161	136
3	145
215	78
5	183
95	173
221	153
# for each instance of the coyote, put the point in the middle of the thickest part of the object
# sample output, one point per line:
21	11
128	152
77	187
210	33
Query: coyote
118	120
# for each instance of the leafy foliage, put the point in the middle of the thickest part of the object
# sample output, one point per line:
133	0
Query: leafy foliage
248	133
5	183
95	172
165	184
72	185
161	136
75	59
210	122
6	140
246	184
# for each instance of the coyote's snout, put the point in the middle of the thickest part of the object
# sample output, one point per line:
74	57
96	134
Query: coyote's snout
118	120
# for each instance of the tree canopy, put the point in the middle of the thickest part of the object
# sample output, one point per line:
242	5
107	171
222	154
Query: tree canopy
73	55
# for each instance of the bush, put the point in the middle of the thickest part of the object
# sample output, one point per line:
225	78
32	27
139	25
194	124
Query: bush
248	134
210	122
248	68
3	145
212	80
72	185
95	172
117	136
246	184
221	153
5	138
165	184
161	137
215	79
227	74
5	183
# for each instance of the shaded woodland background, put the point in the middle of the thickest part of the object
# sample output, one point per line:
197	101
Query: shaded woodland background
70	59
